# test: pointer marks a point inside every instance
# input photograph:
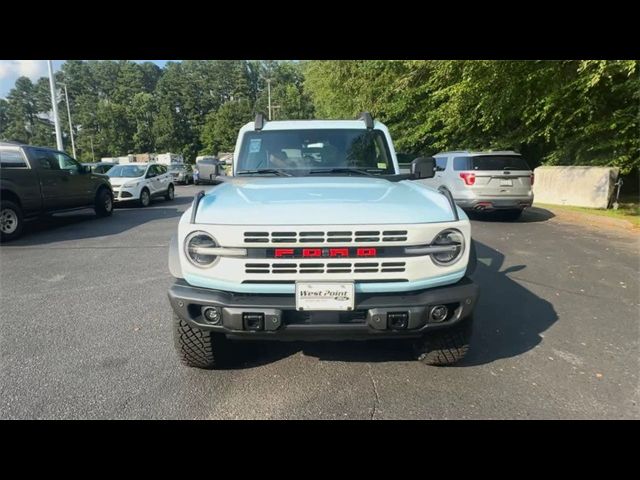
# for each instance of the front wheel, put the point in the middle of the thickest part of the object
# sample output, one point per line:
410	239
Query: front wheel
104	203
145	198
445	347
197	347
11	220
170	193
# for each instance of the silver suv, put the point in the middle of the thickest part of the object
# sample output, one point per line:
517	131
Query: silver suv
485	181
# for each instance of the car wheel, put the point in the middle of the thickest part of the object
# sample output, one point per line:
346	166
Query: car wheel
11	220
197	347
445	347
104	203
170	193
145	198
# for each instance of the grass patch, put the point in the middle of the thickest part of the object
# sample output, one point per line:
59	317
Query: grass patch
627	210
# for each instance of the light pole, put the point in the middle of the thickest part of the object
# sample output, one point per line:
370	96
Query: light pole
54	104
66	96
269	90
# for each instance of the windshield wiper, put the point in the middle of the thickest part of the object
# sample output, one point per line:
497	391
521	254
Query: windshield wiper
275	171
343	170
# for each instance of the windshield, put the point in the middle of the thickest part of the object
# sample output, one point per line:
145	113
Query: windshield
490	162
303	151
127	171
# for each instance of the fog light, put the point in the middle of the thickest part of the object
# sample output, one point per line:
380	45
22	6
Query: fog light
438	313
212	314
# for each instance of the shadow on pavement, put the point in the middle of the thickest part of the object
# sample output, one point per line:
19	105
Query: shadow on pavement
83	224
530	215
508	322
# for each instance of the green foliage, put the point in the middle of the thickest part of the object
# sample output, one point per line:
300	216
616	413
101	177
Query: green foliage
555	112
221	128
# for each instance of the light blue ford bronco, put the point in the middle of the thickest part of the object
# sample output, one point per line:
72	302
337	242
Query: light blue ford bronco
317	236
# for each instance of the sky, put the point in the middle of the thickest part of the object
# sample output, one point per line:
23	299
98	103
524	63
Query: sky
10	70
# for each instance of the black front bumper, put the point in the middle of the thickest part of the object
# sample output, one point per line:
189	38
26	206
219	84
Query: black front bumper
259	316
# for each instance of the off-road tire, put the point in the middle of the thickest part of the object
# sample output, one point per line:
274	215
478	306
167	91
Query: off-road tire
198	348
170	195
14	214
445	347
104	203
140	202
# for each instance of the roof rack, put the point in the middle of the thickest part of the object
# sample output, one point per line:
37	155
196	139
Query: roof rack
259	123
368	120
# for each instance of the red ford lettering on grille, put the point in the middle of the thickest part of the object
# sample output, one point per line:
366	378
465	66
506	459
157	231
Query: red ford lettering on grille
325	252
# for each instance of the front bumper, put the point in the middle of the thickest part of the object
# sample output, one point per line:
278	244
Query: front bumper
274	317
123	195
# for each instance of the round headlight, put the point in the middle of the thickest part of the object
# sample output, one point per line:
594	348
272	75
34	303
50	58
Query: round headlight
453	239
194	247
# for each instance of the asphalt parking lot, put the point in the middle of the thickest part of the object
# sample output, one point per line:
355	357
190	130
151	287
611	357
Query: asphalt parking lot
85	333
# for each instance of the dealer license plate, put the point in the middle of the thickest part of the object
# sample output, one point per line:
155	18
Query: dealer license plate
325	296
506	183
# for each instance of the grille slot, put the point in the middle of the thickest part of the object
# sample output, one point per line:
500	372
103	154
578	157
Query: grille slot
332	267
338	236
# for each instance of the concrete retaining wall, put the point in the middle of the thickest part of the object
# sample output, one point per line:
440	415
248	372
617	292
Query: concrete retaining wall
577	186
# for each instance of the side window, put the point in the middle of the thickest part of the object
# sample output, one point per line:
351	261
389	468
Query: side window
65	162
46	160
441	164
461	163
161	169
152	172
10	158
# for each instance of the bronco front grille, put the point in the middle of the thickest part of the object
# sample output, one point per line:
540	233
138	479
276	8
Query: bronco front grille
330	267
345	236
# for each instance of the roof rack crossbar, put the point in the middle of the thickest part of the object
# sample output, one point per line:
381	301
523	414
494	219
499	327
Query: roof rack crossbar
368	120
259	123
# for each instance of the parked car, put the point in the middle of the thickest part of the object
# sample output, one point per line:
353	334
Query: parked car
181	173
99	167
208	169
141	182
40	180
485	181
317	236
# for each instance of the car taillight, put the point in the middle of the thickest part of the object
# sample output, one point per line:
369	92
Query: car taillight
469	178
532	178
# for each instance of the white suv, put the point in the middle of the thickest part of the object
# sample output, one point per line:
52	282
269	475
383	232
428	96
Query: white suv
140	182
318	236
485	181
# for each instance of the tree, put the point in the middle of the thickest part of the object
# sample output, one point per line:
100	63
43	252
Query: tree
554	112
4	117
221	128
287	92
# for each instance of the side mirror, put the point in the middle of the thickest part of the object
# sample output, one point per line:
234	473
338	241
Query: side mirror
85	169
423	167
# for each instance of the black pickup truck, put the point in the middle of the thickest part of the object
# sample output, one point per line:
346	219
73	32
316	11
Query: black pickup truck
37	180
